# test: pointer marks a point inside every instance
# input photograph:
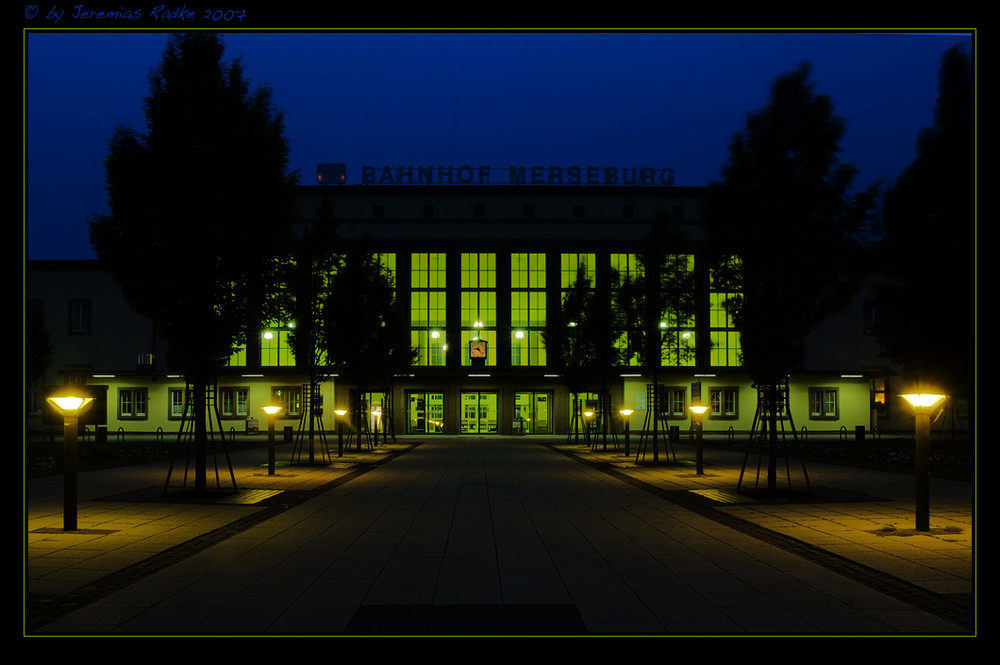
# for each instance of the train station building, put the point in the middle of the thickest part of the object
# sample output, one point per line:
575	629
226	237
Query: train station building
484	257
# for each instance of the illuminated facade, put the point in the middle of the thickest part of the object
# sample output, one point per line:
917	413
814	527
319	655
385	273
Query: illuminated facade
483	268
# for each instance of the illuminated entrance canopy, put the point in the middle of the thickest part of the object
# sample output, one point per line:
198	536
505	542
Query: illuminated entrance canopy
514	175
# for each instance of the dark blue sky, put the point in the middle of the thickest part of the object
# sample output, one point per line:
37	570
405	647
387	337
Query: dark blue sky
624	99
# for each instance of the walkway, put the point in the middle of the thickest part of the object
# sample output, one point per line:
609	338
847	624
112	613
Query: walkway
499	536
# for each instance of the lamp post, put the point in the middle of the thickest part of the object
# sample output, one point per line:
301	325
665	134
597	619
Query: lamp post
340	430
698	411
625	414
70	407
924	404
587	415
271	410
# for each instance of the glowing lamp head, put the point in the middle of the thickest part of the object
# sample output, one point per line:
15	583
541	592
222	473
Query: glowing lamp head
698	408
340	412
271	409
626	412
923	400
70	405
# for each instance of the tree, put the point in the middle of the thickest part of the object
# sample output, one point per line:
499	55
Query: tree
198	203
582	339
310	262
657	306
365	327
786	218
926	308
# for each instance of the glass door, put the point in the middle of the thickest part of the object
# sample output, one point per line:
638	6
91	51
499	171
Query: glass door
425	413
479	413
531	412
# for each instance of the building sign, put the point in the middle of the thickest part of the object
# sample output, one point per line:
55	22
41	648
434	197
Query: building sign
492	175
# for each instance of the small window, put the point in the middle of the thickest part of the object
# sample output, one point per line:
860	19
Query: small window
289	398
724	402
233	402
132	403
79	317
823	403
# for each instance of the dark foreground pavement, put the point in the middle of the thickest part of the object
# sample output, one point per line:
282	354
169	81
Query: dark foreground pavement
498	536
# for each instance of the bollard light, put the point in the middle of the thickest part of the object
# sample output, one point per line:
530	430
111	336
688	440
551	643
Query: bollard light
340	430
923	404
272	411
625	414
698	411
70	406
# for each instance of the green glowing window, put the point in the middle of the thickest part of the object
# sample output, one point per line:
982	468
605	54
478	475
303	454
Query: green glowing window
527	348
427	271
428	308
479	309
431	346
725	350
239	357
626	265
276	348
570	265
479	271
527	271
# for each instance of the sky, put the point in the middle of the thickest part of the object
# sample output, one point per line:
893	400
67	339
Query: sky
658	99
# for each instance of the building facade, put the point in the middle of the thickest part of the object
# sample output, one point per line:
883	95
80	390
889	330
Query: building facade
483	267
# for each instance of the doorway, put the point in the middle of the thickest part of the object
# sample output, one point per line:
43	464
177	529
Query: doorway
479	413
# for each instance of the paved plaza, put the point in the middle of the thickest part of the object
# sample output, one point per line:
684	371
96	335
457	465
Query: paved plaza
498	536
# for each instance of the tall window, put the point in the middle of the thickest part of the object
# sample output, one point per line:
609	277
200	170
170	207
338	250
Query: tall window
678	326
626	267
527	310
571	264
79	317
428	310
723	335
479	304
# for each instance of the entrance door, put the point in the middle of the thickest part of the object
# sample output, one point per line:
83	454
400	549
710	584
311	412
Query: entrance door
479	413
425	413
532	411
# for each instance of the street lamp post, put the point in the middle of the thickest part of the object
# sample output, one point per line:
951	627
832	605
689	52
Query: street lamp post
340	430
70	407
698	411
271	410
625	414
924	404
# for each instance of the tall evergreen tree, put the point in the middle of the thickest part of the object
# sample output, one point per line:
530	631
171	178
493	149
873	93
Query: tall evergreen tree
657	305
927	307
198	203
365	327
786	218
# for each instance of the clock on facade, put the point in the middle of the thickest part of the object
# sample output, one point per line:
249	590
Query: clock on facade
477	349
